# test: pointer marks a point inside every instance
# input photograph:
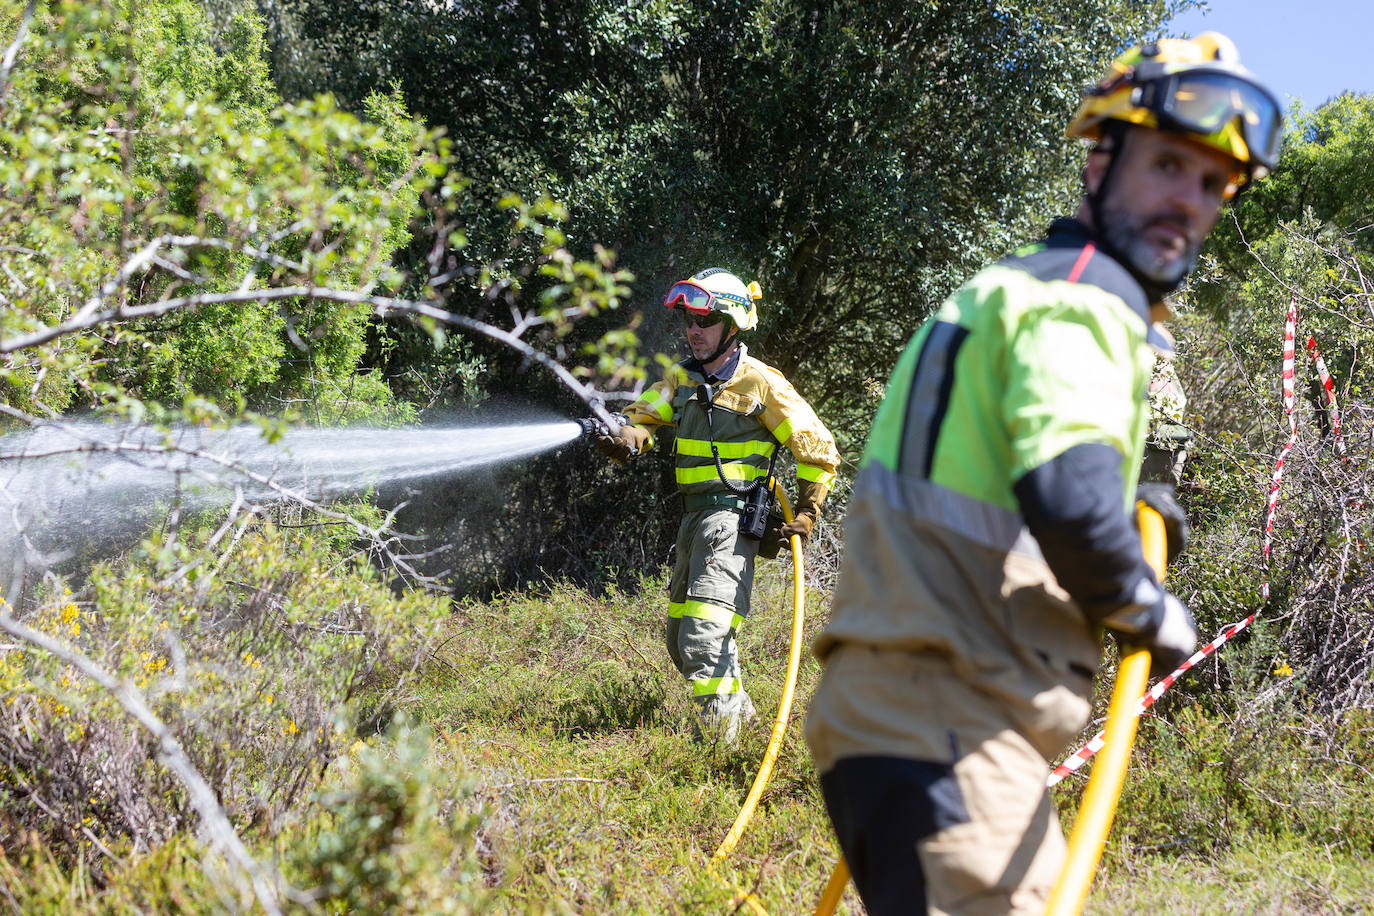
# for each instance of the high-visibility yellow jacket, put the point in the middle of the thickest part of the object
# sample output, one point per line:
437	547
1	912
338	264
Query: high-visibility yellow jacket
990	519
752	412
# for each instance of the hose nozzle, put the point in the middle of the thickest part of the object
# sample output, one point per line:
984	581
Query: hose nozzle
594	426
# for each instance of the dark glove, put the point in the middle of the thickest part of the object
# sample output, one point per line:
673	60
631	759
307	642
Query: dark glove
1160	497
800	525
810	498
1166	628
625	444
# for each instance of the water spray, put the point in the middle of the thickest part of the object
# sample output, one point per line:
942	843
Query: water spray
63	483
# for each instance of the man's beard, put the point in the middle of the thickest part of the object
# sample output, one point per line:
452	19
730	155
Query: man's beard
1125	234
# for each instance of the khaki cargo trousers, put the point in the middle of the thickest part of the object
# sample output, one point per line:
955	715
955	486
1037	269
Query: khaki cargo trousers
934	791
708	599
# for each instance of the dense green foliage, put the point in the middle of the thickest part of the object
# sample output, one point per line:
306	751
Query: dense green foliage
858	159
133	138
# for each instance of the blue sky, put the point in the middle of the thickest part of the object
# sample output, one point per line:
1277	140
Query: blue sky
1308	48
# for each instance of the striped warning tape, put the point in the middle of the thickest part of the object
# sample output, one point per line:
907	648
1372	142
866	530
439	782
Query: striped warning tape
1085	753
1330	388
1289	333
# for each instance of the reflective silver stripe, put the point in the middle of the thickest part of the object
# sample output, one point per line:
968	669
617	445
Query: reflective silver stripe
983	523
929	396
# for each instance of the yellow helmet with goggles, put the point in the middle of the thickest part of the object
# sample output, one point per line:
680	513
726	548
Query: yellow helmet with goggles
717	290
1195	87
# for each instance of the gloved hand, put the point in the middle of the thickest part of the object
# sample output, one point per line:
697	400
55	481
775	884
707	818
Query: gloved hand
810	498
1160	497
1166	628
625	444
800	525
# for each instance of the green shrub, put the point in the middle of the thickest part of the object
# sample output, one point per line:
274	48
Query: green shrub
392	837
257	664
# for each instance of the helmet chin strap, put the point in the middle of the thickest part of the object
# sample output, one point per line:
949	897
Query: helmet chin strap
1155	290
721	347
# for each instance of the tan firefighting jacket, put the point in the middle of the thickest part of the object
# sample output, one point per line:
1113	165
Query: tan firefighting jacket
752	412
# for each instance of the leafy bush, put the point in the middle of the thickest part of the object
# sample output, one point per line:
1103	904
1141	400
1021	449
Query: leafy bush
150	161
391	840
257	665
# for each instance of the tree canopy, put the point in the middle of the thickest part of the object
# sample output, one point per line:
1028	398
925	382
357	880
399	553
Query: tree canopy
858	159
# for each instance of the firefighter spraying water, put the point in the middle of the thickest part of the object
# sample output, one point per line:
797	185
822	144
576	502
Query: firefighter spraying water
730	413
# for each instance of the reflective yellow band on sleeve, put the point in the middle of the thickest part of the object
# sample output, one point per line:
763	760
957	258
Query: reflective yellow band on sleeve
814	474
655	403
784	431
707	473
701	448
704	611
714	686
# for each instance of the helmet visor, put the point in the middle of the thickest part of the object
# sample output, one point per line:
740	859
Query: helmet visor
1205	103
689	296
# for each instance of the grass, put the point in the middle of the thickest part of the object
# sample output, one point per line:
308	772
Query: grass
1255	879
602	804
553	772
597	798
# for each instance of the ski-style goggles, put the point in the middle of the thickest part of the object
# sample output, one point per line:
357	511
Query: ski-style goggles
690	297
1204	102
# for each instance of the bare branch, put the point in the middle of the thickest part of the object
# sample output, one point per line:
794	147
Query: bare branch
90	316
12	52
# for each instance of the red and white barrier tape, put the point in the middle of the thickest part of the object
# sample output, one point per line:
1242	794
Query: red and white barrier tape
1290	326
1330	388
1083	754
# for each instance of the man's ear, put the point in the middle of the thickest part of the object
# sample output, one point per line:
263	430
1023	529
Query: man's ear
1111	144
1095	169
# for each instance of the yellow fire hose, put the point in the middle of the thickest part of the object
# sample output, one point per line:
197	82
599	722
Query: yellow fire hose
1109	772
1098	809
770	756
834	889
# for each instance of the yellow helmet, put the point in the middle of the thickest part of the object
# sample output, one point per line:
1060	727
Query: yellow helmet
1195	87
717	290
